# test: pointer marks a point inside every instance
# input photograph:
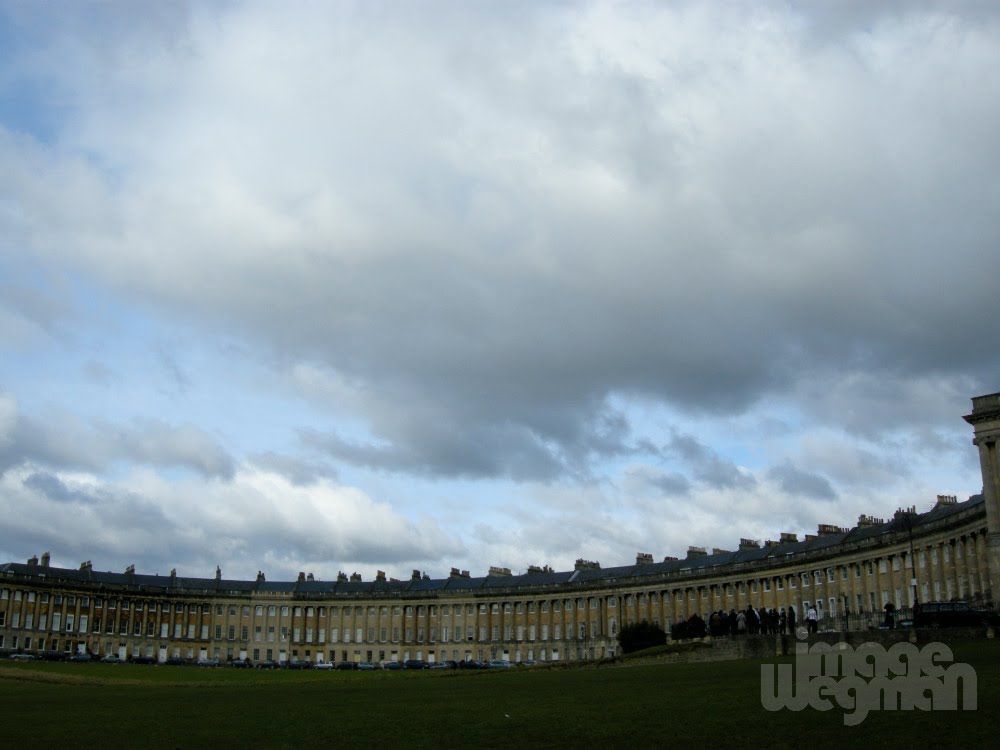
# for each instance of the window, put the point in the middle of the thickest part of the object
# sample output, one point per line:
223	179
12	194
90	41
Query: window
882	567
612	601
506	608
895	563
830	577
805	580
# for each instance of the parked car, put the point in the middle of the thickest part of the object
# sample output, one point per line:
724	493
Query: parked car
366	666
209	662
393	665
176	661
298	664
23	657
346	666
324	665
415	664
952	615
54	656
267	664
111	659
143	660
241	664
471	664
445	665
81	657
499	664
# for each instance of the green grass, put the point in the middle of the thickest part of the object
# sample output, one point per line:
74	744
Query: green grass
703	705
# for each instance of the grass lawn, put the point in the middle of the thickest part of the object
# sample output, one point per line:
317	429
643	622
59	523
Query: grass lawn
697	705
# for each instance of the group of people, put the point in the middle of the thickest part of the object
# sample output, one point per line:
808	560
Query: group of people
750	621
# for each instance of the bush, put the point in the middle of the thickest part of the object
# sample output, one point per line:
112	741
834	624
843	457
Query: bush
640	635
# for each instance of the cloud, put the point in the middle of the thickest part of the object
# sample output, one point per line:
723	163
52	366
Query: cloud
623	213
65	441
795	481
708	466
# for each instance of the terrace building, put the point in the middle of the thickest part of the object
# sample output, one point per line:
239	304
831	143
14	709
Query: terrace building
947	552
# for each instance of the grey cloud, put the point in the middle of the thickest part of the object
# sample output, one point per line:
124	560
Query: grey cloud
63	441
796	482
296	470
708	466
558	224
54	488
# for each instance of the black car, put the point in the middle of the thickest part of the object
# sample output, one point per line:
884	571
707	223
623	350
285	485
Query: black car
298	664
55	656
176	661
267	664
142	660
81	657
952	615
415	664
241	664
471	664
346	666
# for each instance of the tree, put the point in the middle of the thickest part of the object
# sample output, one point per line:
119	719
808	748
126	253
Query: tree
640	635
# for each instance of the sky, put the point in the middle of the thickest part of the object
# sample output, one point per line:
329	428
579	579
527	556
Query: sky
358	286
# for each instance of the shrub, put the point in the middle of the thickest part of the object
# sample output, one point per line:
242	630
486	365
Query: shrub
640	635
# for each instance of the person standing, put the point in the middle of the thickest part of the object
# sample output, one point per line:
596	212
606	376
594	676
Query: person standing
811	618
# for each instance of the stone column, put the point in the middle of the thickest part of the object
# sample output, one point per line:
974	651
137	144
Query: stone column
985	421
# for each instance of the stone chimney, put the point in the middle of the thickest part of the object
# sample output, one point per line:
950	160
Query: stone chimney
748	544
582	564
380	576
828	529
415	575
696	552
498	571
787	536
260	576
33	561
341	577
866	521
302	576
218	573
355	578
45	559
643	558
310	577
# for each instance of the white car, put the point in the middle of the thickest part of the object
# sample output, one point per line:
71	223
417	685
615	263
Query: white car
23	657
323	665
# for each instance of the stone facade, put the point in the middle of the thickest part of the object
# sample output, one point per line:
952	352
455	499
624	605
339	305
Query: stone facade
948	552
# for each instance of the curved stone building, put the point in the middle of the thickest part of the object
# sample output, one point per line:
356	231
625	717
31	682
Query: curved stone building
948	552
